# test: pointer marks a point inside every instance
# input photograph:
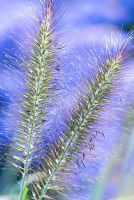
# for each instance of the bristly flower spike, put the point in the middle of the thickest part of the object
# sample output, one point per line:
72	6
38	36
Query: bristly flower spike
84	113
40	72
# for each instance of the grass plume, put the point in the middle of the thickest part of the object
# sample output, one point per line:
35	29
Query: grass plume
39	68
84	113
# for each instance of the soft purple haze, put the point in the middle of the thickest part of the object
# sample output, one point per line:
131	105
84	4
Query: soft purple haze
84	22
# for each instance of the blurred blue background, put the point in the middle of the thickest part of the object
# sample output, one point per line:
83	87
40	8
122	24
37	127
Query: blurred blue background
84	22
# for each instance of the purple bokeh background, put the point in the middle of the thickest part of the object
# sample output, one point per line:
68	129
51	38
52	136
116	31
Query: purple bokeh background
84	22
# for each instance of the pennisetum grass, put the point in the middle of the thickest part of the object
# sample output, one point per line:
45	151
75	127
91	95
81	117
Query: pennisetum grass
40	68
82	117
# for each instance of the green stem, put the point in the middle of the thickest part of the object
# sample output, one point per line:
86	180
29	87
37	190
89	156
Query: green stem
31	131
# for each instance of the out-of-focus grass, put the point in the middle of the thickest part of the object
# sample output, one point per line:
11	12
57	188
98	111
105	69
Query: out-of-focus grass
116	181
